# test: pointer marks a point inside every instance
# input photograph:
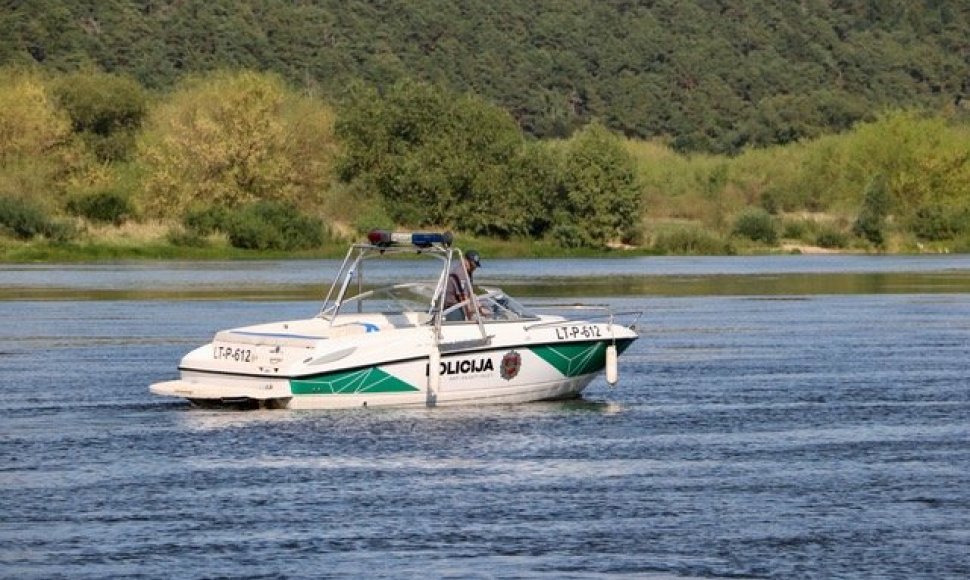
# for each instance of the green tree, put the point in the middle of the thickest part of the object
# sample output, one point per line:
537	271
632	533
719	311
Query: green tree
598	200
715	76
31	126
437	158
37	153
231	139
106	110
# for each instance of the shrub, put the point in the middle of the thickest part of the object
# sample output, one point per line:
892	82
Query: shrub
104	207
795	229
756	225
25	221
206	221
632	235
570	235
232	139
875	206
830	237
433	156
180	236
60	232
274	226
32	125
22	219
869	227
770	203
934	222
250	232
961	245
372	216
690	241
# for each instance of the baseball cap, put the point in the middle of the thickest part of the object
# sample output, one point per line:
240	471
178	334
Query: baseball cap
474	257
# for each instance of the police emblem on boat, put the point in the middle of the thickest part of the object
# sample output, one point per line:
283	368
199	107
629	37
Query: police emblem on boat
511	363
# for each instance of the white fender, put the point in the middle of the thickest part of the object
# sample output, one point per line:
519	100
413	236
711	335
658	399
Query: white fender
434	376
612	372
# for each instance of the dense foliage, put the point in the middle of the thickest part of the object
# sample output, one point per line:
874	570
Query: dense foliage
439	158
268	225
870	223
756	225
104	206
598	198
233	139
705	75
105	110
262	225
21	219
38	153
420	155
694	126
435	158
25	220
31	126
902	174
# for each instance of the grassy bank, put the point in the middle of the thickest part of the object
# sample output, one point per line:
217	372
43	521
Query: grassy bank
94	250
795	234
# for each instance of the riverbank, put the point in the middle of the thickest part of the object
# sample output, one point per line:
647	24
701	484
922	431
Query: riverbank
151	241
17	252
13	252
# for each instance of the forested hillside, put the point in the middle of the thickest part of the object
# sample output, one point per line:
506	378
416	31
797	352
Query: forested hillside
705	75
189	127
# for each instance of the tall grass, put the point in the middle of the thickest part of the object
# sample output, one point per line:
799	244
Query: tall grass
924	160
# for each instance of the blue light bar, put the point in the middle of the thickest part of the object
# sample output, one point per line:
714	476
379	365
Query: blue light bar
419	239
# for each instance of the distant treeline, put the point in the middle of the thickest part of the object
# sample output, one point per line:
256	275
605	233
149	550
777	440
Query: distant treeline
703	75
248	158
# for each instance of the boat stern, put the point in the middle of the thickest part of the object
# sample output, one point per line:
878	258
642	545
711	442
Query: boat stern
209	388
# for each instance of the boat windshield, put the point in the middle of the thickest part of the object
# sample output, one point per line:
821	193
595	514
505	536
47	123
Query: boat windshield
398	298
494	304
497	305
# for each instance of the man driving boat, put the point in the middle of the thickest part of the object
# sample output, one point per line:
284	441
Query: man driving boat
456	290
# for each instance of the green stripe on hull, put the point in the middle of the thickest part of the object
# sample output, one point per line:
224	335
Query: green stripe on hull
574	360
369	380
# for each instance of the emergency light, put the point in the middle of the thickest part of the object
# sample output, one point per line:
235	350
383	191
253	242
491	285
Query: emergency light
419	239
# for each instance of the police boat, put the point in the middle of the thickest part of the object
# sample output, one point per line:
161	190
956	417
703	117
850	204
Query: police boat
392	341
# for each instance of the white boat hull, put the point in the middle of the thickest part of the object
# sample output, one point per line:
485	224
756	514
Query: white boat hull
516	365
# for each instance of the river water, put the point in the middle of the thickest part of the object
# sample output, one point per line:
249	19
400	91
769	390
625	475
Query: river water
788	417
